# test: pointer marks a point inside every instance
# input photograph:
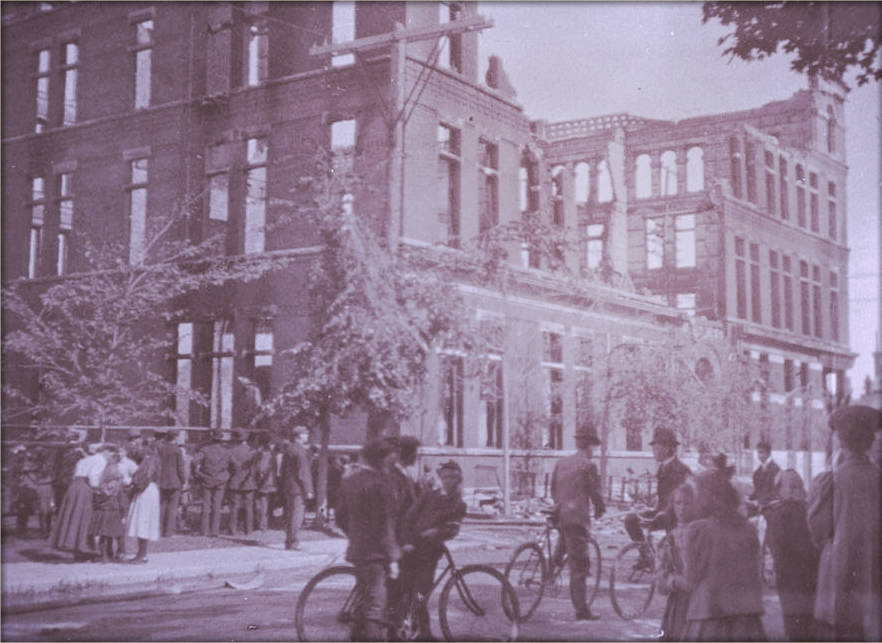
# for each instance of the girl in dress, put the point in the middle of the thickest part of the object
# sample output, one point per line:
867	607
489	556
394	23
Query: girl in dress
722	566
672	574
107	507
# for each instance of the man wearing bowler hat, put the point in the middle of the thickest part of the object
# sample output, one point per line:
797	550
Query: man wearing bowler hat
575	486
844	521
671	474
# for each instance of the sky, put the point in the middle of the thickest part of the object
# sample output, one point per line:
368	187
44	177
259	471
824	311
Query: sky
573	60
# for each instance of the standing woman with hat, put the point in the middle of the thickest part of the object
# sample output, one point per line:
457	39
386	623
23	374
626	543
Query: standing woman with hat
844	521
575	486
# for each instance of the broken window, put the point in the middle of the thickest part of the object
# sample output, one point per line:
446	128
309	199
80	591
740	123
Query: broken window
255	195
65	220
38	212
69	69
448	181
43	70
643	177
557	215
138	173
143	50
695	169
668	173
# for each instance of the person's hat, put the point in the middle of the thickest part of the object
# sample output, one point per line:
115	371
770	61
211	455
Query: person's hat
587	435
450	465
856	425
763	445
663	435
719	461
238	436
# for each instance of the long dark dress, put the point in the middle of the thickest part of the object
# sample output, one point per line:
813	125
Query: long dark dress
796	566
107	515
71	530
671	565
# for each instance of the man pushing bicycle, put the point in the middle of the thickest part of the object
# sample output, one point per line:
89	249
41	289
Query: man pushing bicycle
575	485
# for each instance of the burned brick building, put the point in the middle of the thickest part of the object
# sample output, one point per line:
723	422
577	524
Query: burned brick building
732	223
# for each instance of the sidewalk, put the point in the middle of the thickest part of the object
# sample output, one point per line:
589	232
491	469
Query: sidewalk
34	576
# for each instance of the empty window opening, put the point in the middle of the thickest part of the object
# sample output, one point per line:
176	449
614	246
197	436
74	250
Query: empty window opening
343	30
138	179
257	54
65	221
594	254
143	61
668	180
684	226
255	195
655	244
581	183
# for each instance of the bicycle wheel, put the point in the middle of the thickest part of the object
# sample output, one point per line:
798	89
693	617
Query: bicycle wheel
326	606
478	604
527	572
632	581
595	570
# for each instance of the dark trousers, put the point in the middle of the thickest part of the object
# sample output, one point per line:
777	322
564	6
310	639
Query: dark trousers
370	618
239	499
168	510
212	500
261	509
417	576
663	520
295	509
575	538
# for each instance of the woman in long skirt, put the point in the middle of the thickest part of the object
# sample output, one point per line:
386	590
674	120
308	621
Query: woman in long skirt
143	519
71	529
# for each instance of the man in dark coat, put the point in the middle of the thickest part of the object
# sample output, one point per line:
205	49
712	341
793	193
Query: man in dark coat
241	486
295	484
211	467
844	521
764	489
575	486
671	474
367	515
171	480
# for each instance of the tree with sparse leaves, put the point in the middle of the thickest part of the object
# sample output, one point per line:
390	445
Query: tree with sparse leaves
93	341
827	39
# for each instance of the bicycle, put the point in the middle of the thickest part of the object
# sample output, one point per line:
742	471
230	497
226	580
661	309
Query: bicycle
476	603
632	577
534	573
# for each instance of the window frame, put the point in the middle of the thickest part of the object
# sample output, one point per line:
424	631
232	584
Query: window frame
142	52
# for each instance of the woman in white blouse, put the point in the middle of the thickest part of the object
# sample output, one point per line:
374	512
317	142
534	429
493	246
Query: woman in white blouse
71	529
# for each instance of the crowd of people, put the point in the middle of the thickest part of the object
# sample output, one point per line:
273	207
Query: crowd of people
90	497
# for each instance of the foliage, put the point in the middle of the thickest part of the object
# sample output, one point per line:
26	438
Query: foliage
94	339
826	38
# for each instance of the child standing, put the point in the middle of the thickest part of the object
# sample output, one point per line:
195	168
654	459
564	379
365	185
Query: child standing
672	573
107	515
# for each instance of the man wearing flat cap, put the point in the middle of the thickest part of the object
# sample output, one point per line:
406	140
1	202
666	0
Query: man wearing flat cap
844	521
211	467
575	486
671	474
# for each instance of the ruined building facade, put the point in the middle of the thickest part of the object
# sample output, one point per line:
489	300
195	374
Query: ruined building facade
731	224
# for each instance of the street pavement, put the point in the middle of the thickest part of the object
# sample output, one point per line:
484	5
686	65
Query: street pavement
245	589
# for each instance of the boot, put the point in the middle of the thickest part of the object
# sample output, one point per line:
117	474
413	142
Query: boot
141	556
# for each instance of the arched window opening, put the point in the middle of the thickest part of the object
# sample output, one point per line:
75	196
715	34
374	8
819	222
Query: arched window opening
604	183
580	187
668	173
643	177
557	194
695	169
